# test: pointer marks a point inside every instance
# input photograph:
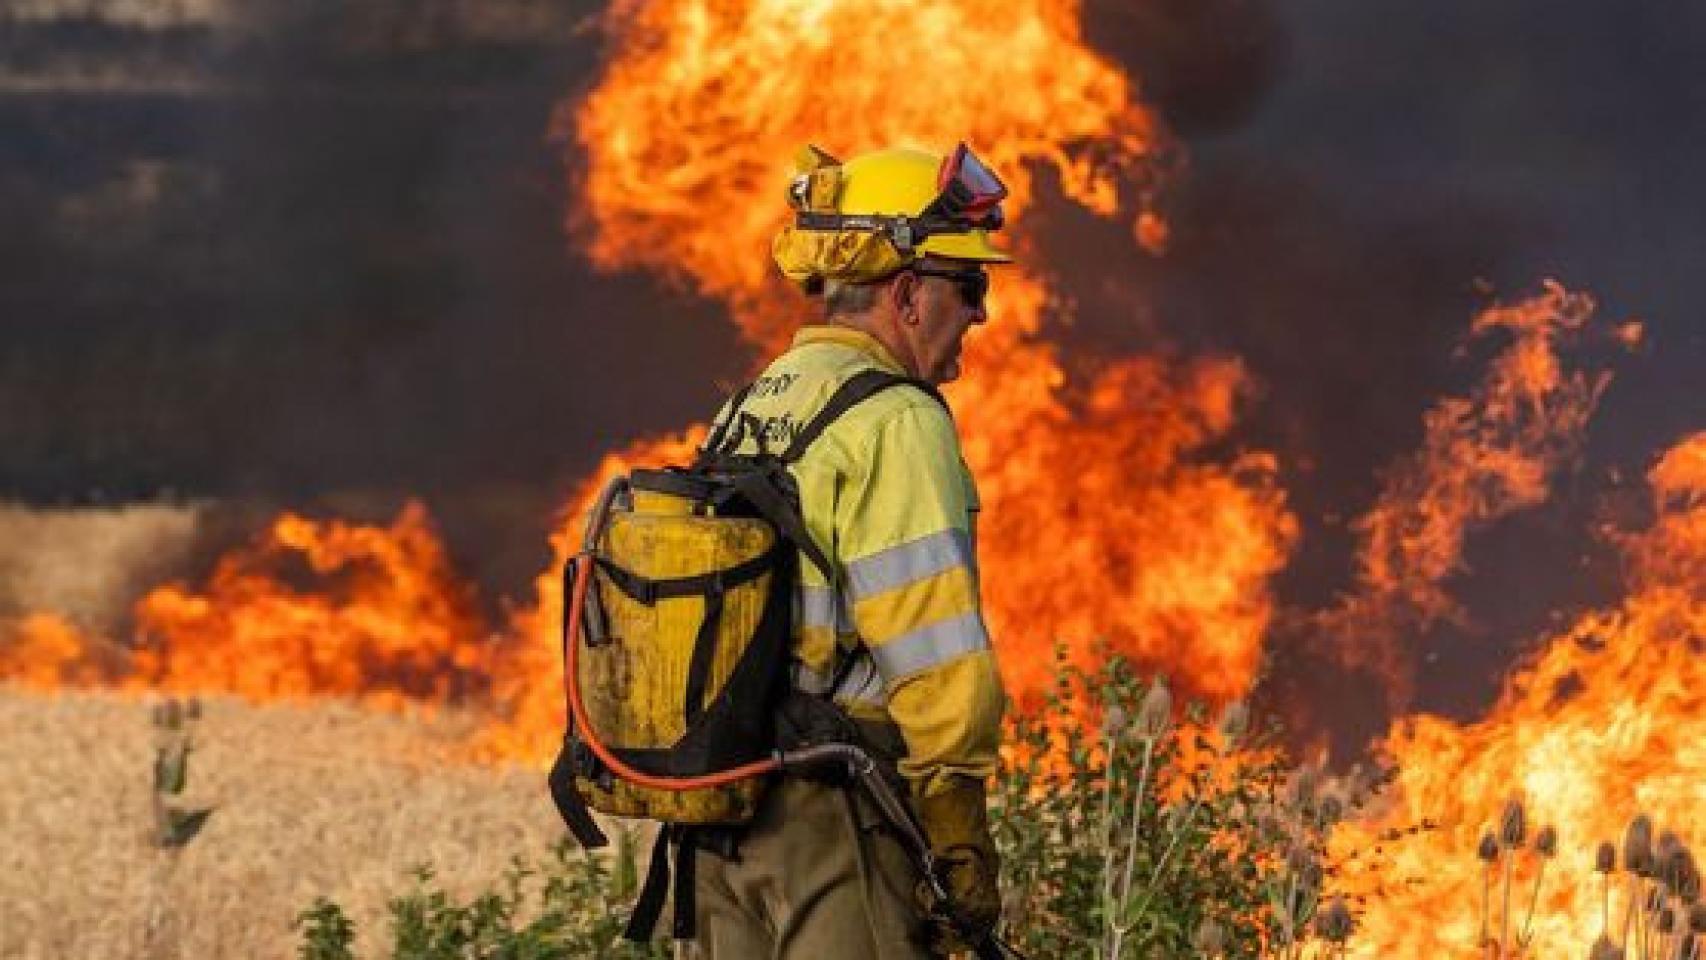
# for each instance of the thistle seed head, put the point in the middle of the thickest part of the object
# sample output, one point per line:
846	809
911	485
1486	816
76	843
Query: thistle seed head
1234	722
1697	918
1546	841
1332	809
1675	864
1174	817
1296	858
1604	949
1513	824
1313	874
1209	938
1335	923
1688	878
1155	713
1114	720
1605	858
1638	846
1667	921
1300	792
1488	851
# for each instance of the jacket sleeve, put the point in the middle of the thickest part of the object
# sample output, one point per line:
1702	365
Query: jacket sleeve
905	539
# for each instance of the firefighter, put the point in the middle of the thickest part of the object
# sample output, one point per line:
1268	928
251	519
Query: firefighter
896	243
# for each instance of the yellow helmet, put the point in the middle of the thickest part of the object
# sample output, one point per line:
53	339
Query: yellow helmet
877	213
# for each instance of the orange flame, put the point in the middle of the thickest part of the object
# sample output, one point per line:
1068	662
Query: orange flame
46	651
379	614
1607	719
1483	457
691	129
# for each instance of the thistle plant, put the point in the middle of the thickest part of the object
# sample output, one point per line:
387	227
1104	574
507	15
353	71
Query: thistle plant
172	824
1663	916
1499	851
1134	826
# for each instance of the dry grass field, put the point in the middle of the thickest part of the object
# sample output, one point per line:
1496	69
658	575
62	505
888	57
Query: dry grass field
310	800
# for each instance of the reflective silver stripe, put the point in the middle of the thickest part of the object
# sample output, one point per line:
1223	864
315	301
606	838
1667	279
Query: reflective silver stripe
862	683
914	560
930	645
819	607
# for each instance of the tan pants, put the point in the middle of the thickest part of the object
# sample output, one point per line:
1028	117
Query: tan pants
816	879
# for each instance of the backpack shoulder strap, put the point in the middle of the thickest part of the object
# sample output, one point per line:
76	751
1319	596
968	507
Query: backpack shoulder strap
853	391
719	433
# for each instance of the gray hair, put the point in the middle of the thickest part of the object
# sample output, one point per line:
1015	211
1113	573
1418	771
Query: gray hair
842	298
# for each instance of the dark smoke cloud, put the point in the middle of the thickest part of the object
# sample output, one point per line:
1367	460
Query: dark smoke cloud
1205	63
311	253
314	250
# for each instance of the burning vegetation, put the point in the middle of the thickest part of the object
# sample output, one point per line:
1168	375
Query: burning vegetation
1119	514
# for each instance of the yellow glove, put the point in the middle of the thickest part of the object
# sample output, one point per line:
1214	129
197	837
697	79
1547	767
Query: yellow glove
956	821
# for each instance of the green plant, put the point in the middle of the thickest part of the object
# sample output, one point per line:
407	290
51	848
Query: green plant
1132	829
571	906
172	825
327	934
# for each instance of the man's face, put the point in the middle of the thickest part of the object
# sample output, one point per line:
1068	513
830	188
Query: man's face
944	308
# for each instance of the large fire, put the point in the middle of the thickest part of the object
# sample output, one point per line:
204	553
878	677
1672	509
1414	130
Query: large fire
1111	511
1605	720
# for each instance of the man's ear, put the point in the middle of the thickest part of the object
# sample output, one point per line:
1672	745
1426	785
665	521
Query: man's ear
904	294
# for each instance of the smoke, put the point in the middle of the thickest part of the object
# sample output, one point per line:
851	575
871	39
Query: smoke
328	269
1207	64
89	565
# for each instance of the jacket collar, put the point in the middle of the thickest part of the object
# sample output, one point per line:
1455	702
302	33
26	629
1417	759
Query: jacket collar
849	337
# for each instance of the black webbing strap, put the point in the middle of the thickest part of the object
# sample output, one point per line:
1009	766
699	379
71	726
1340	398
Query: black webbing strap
853	391
571	806
686	865
765	497
704	650
714	442
649	591
653	893
649	907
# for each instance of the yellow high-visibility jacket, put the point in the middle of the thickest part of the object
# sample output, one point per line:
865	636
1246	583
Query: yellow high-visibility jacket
887	496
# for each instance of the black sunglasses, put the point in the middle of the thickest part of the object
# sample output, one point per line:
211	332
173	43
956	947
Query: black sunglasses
973	285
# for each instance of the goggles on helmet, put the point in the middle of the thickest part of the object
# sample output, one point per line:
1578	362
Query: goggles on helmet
969	198
971	193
